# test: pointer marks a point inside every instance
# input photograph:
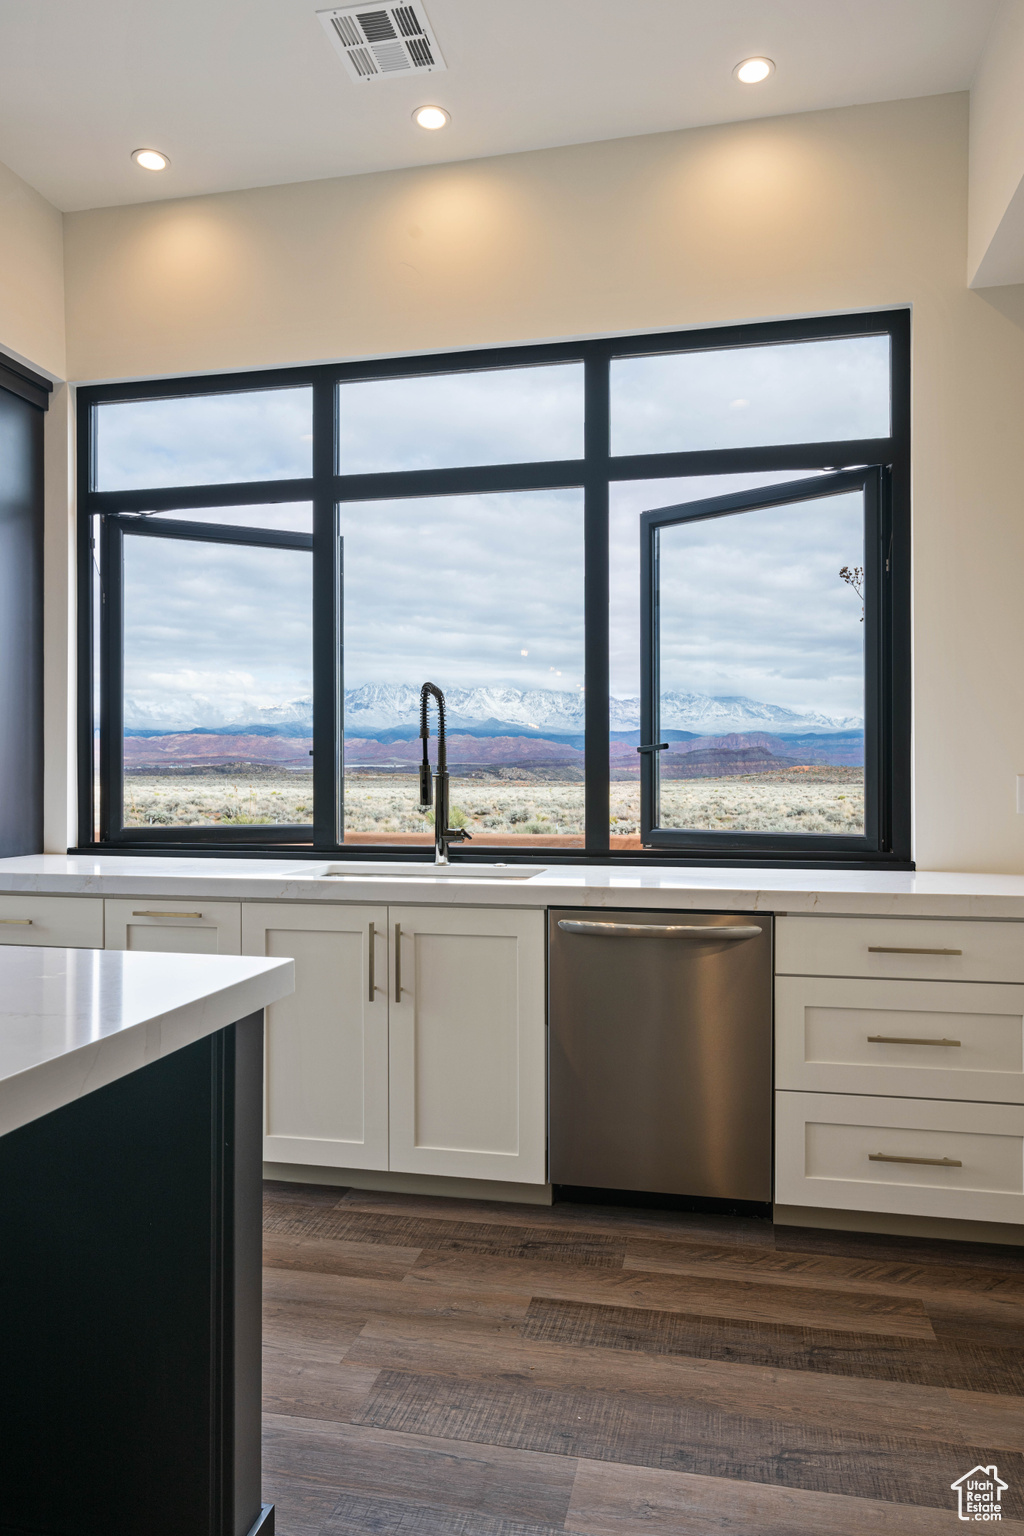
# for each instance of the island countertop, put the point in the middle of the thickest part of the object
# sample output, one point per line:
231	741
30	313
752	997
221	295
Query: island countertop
891	893
73	1020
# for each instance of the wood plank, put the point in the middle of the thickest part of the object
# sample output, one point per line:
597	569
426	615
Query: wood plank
356	1516
837	1309
554	1245
778	1346
490	1480
372	1261
680	1437
489	1351
300	1509
282	1192
614	1221
850	1272
313	1389
350	1297
1007	1258
610	1500
323	1335
986	1418
980	1319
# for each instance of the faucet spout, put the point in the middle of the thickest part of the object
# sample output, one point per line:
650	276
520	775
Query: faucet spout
444	835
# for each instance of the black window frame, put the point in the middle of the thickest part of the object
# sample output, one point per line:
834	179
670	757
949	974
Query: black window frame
110	514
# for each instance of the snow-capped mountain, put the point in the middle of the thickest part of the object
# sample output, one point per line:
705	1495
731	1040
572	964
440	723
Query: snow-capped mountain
376	707
720	715
205	712
385	706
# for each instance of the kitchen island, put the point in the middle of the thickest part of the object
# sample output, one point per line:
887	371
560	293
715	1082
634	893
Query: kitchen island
130	1106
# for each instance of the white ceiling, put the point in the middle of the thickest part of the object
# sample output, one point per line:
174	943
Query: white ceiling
243	93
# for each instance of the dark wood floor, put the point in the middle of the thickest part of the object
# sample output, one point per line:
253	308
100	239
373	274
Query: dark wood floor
450	1368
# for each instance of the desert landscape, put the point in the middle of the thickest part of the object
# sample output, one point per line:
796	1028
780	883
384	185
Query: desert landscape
823	799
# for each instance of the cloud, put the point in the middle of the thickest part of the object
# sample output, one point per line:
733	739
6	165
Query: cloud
732	397
500	416
261	434
487	590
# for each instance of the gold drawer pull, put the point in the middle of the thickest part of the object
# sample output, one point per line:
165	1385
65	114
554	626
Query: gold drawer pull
932	1162
167	914
907	1040
889	949
17	922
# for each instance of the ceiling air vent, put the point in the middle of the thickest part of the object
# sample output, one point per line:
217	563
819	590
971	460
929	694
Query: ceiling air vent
381	40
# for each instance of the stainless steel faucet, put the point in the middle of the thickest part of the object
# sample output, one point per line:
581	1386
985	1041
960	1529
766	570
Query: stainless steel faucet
443	833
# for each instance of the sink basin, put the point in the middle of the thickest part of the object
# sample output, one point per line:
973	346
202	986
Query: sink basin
399	871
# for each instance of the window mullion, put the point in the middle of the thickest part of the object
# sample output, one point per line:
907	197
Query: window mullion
328	786
595	598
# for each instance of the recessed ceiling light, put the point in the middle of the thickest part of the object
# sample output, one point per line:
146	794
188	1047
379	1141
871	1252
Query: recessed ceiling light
753	71
150	159
431	117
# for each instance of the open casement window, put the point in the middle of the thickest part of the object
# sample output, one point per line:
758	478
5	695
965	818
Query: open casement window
780	592
182	597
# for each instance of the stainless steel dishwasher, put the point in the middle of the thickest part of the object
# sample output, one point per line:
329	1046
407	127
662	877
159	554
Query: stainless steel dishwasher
661	1052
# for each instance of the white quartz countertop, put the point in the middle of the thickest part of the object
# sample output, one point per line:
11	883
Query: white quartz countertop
72	1020
927	893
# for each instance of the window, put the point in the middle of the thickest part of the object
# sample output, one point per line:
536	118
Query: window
662	581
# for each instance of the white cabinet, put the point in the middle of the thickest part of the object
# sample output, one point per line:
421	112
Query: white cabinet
896	948
928	1039
899	1066
326	1045
911	1156
176	927
64	922
468	1043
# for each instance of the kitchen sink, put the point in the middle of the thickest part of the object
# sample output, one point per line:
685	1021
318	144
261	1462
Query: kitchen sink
397	871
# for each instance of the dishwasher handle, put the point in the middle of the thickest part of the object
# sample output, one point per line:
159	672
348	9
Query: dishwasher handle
657	930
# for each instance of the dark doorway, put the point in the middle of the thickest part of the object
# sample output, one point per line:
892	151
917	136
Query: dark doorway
22	402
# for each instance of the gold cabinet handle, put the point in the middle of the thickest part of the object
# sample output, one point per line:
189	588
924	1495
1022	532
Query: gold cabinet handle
17	922
167	914
907	1040
932	1162
370	967
891	949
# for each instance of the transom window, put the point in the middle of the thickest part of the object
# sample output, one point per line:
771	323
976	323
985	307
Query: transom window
662	581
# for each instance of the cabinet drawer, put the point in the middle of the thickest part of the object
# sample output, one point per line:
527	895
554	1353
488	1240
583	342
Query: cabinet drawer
913	1156
65	922
835	1034
177	927
932	949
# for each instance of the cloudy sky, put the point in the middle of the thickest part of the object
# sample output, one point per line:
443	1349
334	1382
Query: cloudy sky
488	590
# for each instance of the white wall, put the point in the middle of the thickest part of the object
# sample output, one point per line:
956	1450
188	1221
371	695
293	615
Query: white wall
995	245
32	330
31	277
828	211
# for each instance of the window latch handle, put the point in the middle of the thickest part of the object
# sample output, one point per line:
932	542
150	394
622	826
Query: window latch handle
660	746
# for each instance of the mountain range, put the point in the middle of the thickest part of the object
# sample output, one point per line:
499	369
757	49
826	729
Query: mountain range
393	708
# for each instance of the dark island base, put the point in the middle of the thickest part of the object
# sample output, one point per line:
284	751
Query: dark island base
130	1303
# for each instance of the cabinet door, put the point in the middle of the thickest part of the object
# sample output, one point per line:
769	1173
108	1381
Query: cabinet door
467	1043
176	927
327	1045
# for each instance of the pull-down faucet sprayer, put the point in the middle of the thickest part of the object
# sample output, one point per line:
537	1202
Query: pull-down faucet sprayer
444	835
